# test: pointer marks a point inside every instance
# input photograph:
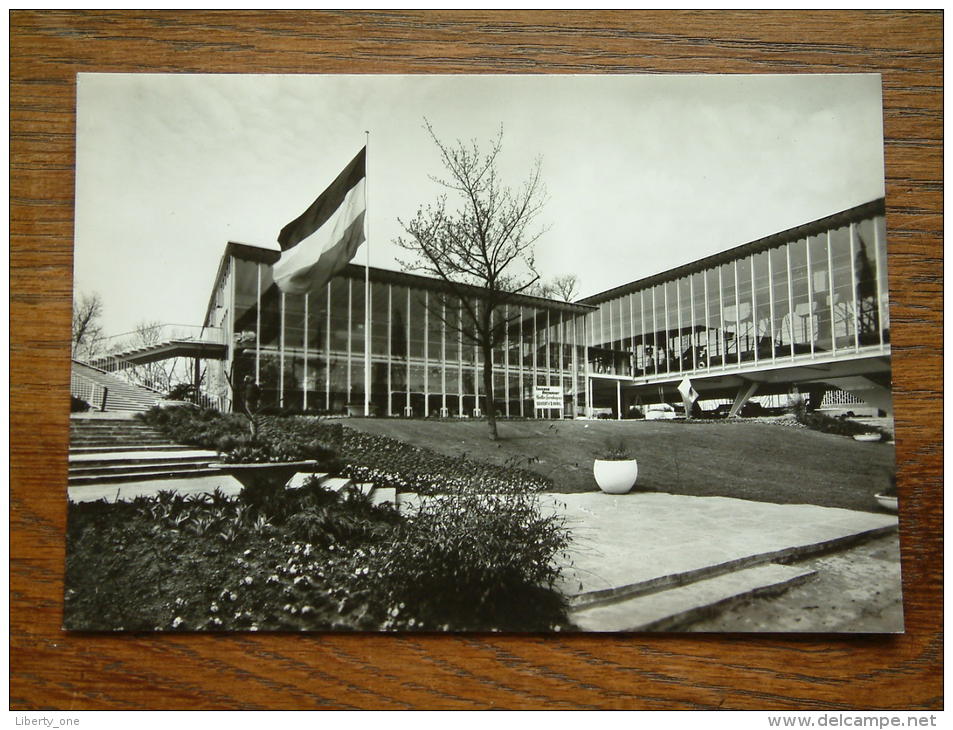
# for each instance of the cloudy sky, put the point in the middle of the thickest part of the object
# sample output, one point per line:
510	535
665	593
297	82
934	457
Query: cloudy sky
642	173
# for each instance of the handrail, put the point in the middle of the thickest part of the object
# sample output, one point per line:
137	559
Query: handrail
88	390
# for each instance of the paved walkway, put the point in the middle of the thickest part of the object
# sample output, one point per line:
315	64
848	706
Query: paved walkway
652	540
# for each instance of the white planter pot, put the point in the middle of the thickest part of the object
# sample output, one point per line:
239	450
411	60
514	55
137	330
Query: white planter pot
615	477
888	503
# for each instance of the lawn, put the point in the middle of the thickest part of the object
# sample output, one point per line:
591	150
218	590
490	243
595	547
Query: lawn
748	460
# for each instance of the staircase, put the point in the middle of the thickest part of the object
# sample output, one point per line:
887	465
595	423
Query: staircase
121	395
123	451
671	607
106	451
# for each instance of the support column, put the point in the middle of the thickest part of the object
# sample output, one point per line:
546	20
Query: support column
196	380
745	392
618	400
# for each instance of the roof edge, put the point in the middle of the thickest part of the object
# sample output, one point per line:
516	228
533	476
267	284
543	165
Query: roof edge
873	207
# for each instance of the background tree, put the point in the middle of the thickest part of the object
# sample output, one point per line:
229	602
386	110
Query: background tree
479	232
564	286
87	341
559	287
162	375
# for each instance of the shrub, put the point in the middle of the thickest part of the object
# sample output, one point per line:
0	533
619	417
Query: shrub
278	439
311	559
217	562
475	561
360	456
826	424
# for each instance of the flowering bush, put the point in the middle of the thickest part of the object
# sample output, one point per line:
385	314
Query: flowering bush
312	559
475	561
386	462
228	434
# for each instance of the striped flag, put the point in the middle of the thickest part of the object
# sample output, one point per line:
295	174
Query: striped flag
319	243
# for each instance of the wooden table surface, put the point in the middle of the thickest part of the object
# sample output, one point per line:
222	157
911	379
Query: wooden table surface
52	669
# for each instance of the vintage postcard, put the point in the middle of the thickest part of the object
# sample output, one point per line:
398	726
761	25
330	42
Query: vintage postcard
481	353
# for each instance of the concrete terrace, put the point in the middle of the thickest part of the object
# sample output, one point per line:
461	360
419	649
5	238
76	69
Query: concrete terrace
650	561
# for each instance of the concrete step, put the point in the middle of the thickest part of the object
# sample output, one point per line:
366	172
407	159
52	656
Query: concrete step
173	473
365	488
667	609
92	427
203	483
125	448
713	569
409	502
384	495
138	456
106	469
121	441
301	478
336	484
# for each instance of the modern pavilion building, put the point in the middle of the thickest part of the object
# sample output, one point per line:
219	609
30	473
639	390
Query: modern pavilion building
804	309
311	351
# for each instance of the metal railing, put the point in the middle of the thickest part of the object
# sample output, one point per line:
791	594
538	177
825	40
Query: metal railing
158	333
88	390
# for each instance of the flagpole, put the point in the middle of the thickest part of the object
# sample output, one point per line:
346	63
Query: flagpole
367	281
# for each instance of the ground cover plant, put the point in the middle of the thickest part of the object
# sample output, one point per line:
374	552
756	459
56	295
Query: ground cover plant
363	457
742	459
312	559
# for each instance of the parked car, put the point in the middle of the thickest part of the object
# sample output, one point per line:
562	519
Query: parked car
659	412
747	410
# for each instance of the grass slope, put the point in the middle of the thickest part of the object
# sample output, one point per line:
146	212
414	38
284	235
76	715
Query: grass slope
757	461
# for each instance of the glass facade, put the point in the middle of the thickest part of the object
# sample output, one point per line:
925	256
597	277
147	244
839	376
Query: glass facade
311	352
814	295
817	291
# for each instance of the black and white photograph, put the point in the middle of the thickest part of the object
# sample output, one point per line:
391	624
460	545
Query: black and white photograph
473	353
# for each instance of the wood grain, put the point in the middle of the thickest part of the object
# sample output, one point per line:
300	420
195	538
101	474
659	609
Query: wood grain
52	669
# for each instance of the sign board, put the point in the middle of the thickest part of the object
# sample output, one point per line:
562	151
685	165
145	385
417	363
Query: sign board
548	396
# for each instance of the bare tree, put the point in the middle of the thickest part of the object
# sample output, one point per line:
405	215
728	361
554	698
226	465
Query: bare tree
159	375
562	287
87	340
565	286
483	239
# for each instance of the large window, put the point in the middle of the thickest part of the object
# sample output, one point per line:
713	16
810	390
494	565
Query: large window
699	343
781	294
761	297
843	307
340	315
729	313
745	313
865	272
802	315
317	379
417	319
715	343
684	348
821	292
379	318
